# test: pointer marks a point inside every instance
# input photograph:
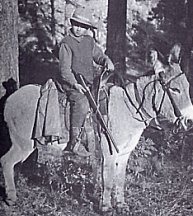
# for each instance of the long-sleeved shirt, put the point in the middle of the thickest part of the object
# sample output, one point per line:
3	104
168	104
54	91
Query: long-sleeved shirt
76	55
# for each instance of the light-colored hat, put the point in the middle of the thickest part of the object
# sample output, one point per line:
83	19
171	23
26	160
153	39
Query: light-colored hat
84	16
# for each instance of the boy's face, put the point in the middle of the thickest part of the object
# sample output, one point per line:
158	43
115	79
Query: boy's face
78	29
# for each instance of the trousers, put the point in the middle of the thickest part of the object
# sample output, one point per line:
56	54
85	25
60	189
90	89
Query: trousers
79	107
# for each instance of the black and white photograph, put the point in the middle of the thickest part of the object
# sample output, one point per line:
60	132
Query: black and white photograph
96	107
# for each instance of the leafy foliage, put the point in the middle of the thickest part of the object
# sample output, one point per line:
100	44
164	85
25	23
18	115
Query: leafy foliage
139	162
43	24
170	20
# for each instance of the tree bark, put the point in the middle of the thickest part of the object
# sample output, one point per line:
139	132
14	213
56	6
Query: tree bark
8	43
188	43
116	33
53	22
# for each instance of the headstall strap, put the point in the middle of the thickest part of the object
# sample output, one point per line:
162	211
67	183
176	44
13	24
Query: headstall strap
166	87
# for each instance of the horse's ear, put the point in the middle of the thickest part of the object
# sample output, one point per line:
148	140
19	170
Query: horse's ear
152	56
175	53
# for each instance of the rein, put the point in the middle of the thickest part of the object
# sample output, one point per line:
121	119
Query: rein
166	88
144	115
132	103
143	98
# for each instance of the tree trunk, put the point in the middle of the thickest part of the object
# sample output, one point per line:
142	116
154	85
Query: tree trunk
53	20
116	33
189	37
186	64
8	43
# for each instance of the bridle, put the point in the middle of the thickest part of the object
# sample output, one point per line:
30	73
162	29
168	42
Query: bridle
166	89
181	121
166	86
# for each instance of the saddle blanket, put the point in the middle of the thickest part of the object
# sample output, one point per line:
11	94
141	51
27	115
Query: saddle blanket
47	122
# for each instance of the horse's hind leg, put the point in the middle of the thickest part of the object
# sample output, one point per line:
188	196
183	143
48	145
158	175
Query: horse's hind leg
8	161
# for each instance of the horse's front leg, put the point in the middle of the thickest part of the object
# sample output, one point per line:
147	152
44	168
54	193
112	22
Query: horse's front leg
108	173
121	165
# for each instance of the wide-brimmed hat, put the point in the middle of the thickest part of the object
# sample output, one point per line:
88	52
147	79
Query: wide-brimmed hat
84	16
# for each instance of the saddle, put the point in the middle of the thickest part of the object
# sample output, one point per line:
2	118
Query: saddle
52	122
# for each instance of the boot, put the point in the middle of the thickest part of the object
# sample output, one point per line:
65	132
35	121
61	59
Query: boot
75	145
80	150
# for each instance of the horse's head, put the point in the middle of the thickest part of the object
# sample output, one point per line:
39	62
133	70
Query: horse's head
175	87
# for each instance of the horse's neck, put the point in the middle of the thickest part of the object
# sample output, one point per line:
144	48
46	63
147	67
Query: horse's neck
140	96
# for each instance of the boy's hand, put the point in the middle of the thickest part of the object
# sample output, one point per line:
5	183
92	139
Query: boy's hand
109	65
79	88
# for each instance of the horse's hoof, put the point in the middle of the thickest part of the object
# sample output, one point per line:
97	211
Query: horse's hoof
106	209
11	198
122	209
10	202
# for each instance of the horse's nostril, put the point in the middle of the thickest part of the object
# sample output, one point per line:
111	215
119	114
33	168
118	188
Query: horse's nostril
183	123
189	123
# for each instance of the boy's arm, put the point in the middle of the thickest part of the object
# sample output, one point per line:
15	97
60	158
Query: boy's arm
100	58
65	62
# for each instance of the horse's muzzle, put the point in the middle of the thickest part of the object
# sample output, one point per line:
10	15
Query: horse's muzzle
183	124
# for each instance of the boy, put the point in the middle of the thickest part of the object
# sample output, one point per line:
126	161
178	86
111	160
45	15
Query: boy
76	55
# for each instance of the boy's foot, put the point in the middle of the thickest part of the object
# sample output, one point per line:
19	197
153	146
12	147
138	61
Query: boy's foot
80	150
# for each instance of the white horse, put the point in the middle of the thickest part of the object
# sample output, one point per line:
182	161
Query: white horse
129	112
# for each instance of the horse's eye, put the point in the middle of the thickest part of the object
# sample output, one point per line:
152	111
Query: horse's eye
162	74
175	90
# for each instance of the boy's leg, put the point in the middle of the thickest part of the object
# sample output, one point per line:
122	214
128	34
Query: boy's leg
79	108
